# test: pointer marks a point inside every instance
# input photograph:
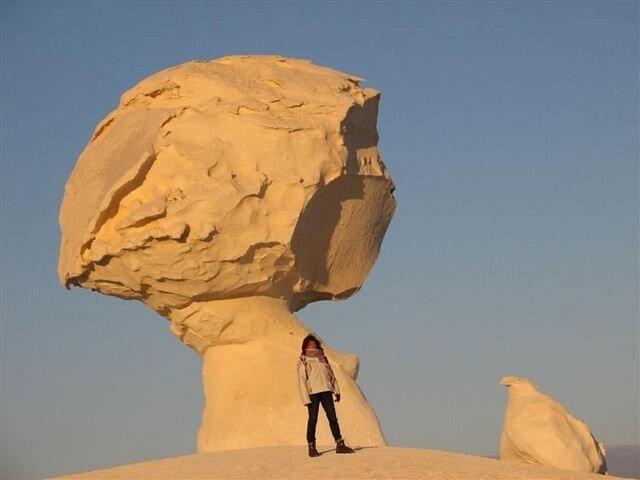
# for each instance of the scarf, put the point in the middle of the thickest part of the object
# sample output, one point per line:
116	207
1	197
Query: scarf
319	354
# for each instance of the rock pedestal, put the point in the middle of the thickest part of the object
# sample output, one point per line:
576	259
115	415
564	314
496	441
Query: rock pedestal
261	405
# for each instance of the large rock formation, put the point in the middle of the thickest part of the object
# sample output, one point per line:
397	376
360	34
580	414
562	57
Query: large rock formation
537	429
225	195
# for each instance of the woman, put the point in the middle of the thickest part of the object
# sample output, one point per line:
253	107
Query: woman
317	385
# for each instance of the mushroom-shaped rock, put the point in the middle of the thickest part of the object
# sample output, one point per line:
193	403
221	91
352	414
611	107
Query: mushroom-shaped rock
225	195
538	430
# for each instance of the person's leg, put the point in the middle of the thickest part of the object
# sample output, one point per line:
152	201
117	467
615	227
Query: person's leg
326	398
330	410
313	409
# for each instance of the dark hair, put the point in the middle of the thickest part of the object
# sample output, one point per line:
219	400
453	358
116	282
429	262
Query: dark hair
306	341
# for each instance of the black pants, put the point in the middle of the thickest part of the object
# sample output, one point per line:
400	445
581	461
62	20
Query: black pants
326	398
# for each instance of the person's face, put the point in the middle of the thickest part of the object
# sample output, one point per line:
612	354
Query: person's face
312	344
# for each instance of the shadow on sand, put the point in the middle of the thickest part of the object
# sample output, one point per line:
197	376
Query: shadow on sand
333	450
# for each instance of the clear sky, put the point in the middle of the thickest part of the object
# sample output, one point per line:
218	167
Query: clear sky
511	132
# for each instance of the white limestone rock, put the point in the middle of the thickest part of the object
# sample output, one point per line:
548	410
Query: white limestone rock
219	191
538	430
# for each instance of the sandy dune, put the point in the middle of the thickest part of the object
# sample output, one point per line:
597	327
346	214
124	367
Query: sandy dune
292	462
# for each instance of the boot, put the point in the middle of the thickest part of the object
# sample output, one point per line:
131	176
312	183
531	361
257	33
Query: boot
342	448
312	450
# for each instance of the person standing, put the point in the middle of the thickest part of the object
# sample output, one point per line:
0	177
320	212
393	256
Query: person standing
318	384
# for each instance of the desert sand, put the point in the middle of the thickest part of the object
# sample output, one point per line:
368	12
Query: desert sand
292	463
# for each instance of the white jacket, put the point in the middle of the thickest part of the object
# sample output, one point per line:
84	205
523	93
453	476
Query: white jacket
315	379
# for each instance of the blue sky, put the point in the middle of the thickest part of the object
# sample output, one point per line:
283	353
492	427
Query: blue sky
510	129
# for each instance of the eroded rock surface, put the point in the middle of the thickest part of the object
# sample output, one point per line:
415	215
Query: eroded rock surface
539	430
220	190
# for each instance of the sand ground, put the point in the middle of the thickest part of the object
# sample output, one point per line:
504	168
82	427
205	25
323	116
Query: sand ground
292	463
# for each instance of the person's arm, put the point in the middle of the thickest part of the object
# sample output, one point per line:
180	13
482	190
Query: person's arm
336	387
302	383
